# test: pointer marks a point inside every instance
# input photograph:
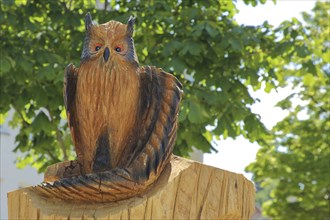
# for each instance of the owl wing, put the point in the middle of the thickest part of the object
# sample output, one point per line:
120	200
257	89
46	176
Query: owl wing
69	95
160	97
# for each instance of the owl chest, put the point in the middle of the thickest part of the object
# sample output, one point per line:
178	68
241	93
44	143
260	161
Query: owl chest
106	101
107	92
94	94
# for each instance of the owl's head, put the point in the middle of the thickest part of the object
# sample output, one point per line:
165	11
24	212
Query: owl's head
109	42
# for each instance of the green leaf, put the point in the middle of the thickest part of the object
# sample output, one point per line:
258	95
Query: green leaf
309	80
177	64
4	65
197	114
236	44
42	123
171	47
25	65
269	86
302	51
194	48
310	67
183	111
210	30
3	116
198	29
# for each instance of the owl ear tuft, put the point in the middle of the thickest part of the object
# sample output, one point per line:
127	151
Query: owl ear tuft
130	25
88	21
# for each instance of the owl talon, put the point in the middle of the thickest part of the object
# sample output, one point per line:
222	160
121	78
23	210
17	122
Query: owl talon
74	169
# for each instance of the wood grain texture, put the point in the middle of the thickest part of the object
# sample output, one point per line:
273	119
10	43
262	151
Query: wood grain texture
142	161
185	190
122	117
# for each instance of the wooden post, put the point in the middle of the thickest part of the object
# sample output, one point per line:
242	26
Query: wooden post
186	190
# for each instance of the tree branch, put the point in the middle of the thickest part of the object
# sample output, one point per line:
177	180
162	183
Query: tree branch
316	102
52	156
59	138
61	143
70	4
25	123
105	5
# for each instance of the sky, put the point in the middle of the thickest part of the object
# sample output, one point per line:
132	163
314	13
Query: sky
235	155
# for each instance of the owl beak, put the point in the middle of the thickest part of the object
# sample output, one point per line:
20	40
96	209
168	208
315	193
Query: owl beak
106	54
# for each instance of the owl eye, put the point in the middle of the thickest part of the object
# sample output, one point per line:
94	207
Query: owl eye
118	49
98	47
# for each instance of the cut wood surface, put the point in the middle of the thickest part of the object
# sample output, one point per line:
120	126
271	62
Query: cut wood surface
185	190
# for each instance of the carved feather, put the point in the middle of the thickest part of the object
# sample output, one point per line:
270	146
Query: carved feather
122	117
159	97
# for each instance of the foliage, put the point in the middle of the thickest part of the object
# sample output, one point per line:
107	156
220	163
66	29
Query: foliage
294	165
215	59
200	43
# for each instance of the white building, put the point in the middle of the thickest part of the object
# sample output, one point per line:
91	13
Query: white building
12	178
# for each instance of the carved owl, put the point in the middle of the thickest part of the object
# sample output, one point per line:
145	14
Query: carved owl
122	117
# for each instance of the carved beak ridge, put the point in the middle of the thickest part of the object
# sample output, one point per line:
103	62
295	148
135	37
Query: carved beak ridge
106	54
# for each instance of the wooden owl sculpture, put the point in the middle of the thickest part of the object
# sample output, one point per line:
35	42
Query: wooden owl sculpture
122	117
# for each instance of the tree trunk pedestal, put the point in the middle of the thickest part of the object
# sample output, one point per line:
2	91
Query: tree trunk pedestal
185	190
